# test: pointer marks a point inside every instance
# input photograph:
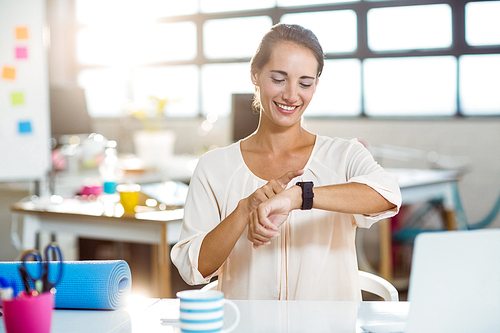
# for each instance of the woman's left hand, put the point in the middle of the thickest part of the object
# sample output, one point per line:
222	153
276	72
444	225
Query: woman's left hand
271	214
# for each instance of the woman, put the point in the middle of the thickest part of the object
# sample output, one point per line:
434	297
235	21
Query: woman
243	218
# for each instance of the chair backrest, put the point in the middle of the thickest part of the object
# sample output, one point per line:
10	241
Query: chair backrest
376	285
368	282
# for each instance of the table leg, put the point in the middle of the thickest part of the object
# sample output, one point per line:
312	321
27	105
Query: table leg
450	220
164	278
385	240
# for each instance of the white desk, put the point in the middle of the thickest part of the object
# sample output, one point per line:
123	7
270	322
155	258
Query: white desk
256	317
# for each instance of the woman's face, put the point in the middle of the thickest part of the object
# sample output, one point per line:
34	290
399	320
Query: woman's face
287	83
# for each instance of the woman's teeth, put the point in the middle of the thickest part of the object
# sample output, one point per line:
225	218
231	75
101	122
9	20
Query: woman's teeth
288	108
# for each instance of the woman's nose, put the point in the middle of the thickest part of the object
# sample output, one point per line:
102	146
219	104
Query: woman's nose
290	95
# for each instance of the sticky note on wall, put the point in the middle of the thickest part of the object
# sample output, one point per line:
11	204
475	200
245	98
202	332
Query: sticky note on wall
8	73
17	98
24	127
21	52
22	33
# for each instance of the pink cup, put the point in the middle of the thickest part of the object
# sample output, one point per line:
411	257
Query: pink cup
28	314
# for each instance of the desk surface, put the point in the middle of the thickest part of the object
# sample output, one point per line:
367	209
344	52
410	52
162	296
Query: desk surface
256	316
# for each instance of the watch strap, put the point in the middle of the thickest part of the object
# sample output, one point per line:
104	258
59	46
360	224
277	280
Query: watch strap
307	194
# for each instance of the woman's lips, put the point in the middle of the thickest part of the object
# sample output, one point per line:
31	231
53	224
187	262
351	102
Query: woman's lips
286	108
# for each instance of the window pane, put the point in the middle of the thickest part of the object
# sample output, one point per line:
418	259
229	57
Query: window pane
286	3
480	84
482	23
407	28
136	44
210	6
336	30
339	90
105	91
116	11
219	81
177	83
234	38
415	86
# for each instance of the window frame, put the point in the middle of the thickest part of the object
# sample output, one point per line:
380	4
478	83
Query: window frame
458	46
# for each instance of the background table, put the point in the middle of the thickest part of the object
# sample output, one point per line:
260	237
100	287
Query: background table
75	218
417	186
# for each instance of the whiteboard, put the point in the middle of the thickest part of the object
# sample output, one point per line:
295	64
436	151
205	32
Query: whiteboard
24	91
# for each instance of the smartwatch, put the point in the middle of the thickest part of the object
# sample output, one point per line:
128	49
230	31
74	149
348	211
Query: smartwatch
307	194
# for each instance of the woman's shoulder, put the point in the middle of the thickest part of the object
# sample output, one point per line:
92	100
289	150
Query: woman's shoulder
216	154
221	159
326	143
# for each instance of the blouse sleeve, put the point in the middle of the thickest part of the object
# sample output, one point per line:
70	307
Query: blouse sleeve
362	168
201	215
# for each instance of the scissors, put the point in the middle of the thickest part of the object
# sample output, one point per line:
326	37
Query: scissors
44	281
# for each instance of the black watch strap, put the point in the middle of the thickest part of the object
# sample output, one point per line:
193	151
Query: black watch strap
307	194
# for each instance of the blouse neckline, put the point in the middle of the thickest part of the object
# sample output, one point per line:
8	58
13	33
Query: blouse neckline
240	154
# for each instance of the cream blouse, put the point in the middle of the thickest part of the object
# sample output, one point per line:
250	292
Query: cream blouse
314	258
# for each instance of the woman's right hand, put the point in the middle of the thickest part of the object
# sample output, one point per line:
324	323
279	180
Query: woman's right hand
273	187
266	192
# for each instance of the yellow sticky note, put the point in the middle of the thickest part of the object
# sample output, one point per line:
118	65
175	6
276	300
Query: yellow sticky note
8	73
22	33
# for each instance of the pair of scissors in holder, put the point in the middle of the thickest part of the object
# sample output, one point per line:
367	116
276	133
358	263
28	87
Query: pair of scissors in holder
43	279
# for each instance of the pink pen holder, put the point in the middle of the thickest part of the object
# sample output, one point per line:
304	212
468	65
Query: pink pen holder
28	314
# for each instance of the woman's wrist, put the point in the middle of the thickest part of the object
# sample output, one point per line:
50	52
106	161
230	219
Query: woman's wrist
244	206
296	196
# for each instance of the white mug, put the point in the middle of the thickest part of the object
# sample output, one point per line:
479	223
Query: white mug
203	311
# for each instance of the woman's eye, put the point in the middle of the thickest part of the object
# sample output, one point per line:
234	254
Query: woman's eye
277	80
305	85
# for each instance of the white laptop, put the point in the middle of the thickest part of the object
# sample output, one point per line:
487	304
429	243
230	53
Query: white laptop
454	283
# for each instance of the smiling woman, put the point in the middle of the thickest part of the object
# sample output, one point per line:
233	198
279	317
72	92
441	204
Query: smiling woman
247	222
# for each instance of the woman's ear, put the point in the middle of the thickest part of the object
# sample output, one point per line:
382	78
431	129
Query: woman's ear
253	76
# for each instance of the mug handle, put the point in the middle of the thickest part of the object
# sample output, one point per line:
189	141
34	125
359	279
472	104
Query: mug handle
237	320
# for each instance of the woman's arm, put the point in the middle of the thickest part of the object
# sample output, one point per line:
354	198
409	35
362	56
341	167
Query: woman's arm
350	198
218	243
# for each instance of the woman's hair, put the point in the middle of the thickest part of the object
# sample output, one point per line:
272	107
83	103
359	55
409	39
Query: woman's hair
285	33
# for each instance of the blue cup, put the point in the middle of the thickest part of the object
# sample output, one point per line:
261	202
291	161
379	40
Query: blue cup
203	311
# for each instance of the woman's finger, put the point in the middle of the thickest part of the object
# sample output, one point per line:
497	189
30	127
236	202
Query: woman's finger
287	177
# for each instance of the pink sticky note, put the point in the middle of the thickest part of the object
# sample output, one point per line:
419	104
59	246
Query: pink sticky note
21	52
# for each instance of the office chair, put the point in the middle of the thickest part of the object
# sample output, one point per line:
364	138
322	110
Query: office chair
367	281
415	222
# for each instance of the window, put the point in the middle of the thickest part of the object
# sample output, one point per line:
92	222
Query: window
179	84
339	89
383	58
410	27
213	6
482	23
231	38
480	84
105	91
336	30
403	86
129	45
222	80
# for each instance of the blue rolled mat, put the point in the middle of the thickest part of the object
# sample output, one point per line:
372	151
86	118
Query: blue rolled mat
96	284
